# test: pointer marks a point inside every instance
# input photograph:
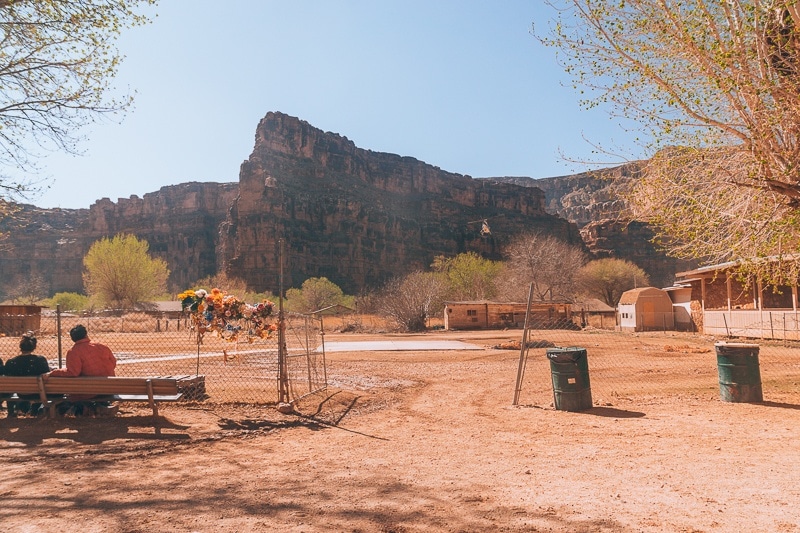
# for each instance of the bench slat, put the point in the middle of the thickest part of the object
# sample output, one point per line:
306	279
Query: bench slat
151	390
19	384
110	385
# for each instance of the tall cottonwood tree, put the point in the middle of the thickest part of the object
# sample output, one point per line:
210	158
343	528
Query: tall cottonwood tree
409	301
315	294
548	263
58	60
716	84
119	271
469	276
608	278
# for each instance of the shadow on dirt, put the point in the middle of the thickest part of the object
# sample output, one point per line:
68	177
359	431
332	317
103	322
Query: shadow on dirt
611	412
34	431
250	424
780	405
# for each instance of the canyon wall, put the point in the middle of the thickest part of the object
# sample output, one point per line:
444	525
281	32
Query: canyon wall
180	223
331	209
593	201
360	217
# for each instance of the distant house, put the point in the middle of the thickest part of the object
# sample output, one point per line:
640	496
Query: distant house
484	314
594	313
334	310
645	309
17	319
164	309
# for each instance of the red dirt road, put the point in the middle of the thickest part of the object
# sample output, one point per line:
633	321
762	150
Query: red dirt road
423	441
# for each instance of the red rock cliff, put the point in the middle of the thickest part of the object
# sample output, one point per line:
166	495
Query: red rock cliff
360	217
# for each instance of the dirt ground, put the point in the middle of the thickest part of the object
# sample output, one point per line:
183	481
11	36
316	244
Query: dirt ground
417	441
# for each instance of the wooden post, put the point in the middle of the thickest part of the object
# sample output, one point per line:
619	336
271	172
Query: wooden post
523	350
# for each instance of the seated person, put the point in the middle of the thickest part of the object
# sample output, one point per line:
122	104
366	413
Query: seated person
26	364
85	358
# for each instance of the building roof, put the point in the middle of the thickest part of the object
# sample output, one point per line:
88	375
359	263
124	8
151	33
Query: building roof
165	306
492	302
333	310
631	296
678	288
594	305
724	266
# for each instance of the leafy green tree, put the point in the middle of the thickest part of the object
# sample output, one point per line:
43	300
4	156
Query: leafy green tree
716	86
69	301
607	279
120	271
315	294
57	65
469	276
409	301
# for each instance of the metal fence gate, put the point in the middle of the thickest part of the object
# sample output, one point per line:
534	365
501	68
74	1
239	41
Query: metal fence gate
212	368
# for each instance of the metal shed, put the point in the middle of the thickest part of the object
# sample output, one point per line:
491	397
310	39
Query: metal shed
645	309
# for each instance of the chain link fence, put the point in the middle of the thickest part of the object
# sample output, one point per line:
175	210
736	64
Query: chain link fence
208	366
622	364
647	364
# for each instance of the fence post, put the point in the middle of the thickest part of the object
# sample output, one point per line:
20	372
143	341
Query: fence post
58	333
771	328
283	368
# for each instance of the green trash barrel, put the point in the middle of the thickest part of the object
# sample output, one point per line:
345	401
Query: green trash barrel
569	369
739	373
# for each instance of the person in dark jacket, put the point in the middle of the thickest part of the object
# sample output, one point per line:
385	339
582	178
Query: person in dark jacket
26	364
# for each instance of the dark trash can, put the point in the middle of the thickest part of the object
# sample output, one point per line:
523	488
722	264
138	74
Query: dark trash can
569	370
739	373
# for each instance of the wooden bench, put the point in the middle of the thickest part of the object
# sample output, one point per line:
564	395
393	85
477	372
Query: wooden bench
54	390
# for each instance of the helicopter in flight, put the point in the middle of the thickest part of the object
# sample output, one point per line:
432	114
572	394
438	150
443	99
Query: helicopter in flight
485	230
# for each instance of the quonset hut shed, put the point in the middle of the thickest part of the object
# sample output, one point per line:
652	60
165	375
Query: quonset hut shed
645	309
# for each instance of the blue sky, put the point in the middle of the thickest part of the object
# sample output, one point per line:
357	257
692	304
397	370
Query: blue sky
459	84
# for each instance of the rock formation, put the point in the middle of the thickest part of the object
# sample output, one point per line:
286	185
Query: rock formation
360	217
355	216
179	222
584	198
592	201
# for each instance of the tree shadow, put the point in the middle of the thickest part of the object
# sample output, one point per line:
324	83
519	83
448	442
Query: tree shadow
251	424
283	499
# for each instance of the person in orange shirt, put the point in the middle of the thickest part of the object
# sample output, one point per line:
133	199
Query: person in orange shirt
85	358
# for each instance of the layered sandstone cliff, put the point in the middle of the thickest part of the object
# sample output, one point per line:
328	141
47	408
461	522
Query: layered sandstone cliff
593	201
180	223
355	216
360	217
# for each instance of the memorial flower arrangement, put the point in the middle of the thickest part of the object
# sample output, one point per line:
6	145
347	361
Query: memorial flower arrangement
227	316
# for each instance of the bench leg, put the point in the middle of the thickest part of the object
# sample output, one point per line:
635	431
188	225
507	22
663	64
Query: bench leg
153	404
